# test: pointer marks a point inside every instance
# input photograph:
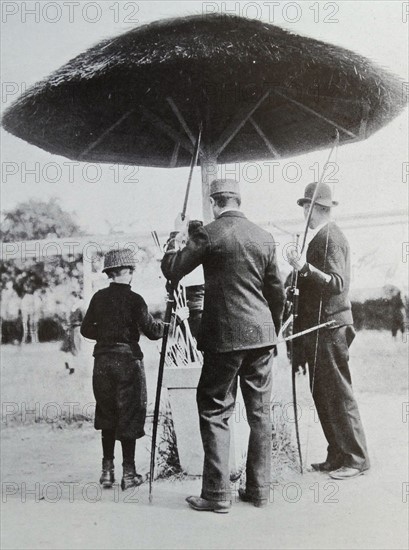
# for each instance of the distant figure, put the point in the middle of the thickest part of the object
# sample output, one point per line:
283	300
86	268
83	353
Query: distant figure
73	340
31	305
397	314
10	314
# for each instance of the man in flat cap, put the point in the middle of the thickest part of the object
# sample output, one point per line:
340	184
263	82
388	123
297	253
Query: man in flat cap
324	286
243	305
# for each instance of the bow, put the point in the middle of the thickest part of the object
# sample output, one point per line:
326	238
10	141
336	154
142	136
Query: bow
294	308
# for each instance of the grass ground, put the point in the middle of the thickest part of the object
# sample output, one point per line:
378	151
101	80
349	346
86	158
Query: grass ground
58	461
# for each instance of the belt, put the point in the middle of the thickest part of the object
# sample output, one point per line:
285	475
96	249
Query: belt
118	347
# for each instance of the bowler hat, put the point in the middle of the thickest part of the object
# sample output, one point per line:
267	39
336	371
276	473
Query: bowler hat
323	198
122	257
224	186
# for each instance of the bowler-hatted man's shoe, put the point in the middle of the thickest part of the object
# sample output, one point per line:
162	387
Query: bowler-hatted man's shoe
107	478
257	502
202	505
346	472
324	466
129	477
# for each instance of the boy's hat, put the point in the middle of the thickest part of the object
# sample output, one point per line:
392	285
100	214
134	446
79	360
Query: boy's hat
224	186
324	196
119	258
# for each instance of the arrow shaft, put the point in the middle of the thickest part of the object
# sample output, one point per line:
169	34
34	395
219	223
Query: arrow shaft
306	331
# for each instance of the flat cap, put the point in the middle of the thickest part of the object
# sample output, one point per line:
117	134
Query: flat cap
224	186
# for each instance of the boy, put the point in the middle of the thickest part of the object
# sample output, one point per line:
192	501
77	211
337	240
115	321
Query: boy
115	317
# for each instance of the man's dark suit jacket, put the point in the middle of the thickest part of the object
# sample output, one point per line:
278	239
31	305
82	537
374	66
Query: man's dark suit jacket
329	252
244	295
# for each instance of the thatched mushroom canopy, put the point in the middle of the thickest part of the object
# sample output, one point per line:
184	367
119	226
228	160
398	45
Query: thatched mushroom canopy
260	92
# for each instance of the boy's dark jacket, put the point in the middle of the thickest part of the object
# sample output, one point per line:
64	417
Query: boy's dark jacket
115	318
244	294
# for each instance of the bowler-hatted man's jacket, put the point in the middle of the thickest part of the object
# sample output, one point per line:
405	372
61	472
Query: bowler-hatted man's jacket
244	295
329	252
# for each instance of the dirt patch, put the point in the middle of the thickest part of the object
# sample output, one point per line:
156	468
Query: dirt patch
51	496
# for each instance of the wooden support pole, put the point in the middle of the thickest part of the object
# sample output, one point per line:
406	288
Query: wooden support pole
174	159
364	121
209	173
263	136
183	122
237	124
173	134
101	138
318	115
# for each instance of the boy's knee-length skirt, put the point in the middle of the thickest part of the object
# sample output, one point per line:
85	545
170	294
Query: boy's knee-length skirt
119	386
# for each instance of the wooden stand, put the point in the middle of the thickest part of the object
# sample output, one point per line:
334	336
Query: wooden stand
181	383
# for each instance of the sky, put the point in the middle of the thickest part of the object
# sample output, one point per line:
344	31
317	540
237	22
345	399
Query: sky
371	174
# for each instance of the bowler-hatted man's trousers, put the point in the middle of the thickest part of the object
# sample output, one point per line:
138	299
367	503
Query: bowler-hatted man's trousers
331	387
216	397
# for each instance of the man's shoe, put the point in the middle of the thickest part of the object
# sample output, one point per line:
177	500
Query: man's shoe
107	478
323	466
203	505
257	502
129	477
346	472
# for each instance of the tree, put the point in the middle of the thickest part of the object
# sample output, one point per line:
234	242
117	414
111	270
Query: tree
36	219
32	220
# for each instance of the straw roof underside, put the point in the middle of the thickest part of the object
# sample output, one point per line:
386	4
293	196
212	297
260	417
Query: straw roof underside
215	68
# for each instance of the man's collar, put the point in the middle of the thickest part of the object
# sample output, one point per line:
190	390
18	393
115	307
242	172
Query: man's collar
319	227
314	232
231	212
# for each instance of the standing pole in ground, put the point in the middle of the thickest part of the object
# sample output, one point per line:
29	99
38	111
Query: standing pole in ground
168	315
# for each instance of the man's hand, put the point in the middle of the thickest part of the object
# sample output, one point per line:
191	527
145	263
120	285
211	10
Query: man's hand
182	313
295	259
181	224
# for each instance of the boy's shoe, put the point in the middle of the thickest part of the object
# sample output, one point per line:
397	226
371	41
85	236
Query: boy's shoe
129	477
107	478
257	502
203	505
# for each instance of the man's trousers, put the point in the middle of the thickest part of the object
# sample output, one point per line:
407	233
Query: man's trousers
330	381
216	397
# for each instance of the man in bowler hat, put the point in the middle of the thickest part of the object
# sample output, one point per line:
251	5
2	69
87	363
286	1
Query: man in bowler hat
324	286
242	313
